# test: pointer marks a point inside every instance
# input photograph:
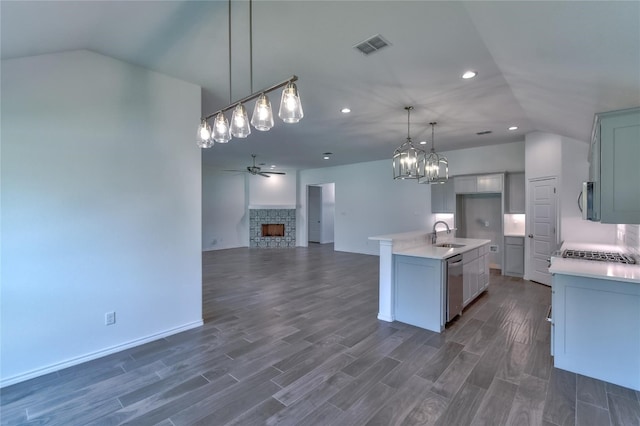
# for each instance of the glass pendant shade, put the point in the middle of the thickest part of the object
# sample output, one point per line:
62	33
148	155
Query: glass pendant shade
221	133
262	118
290	105
240	122
204	135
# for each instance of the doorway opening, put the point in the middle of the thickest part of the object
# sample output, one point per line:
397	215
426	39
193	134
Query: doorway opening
321	201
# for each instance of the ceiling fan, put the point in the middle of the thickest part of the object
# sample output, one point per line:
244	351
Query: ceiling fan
256	170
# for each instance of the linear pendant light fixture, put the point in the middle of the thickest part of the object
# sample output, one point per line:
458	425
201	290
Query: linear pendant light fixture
262	119
436	169
408	161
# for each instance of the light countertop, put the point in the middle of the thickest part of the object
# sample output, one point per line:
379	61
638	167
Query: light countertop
594	269
432	252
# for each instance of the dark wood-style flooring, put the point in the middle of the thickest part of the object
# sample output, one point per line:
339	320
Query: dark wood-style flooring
291	338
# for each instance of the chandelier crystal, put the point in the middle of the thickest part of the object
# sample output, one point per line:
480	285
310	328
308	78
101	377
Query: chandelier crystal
408	161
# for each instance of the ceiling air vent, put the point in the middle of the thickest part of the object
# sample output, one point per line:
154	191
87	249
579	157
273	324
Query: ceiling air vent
484	132
372	44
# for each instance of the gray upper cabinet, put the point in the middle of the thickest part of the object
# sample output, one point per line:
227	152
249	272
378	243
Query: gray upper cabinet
616	147
443	197
515	190
478	183
490	183
465	184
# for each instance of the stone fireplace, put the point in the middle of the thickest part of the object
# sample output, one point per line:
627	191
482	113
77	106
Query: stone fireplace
272	227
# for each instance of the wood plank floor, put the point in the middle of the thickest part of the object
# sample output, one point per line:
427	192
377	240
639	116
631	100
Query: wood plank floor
291	338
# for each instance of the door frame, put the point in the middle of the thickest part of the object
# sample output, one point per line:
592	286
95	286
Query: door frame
528	264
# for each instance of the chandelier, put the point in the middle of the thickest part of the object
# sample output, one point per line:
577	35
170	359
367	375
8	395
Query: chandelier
436	169
262	119
408	161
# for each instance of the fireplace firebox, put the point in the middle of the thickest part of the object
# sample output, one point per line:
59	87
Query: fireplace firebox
273	229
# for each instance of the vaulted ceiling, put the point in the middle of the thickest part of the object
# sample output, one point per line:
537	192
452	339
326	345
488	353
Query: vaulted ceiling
546	66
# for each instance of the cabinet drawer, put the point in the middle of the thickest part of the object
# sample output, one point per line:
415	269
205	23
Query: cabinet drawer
470	255
516	241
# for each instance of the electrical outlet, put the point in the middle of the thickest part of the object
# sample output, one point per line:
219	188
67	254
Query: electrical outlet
110	318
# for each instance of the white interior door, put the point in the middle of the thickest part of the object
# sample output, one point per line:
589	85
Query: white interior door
542	227
315	213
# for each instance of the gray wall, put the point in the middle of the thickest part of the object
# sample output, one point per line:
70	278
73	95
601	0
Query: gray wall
101	209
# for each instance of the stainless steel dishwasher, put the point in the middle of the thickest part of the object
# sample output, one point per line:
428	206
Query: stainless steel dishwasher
454	286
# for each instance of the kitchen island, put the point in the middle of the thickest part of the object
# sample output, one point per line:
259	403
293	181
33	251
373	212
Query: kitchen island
413	275
596	318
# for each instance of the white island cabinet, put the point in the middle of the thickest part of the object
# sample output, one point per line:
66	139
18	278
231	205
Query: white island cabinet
413	277
596	320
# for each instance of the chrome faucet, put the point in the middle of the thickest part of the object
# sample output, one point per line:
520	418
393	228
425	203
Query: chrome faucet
434	238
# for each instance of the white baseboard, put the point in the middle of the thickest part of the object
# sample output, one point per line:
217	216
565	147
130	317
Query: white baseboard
386	318
95	355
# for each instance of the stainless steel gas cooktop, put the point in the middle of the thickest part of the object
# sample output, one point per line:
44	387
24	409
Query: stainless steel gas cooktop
601	256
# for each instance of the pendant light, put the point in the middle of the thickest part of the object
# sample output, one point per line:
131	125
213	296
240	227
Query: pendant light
204	139
408	161
240	122
262	118
221	131
436	169
290	105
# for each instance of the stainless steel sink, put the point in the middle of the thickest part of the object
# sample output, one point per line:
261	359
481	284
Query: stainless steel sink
449	245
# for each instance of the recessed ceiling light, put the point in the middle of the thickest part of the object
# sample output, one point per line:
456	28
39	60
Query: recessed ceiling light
273	166
513	128
423	142
469	74
326	155
345	110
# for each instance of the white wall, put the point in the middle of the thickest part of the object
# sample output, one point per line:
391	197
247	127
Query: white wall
487	159
225	219
369	202
575	170
273	191
101	209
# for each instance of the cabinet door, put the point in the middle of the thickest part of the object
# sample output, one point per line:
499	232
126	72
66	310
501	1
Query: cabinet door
465	184
515	193
514	259
489	183
619	171
449	197
443	198
466	283
474	285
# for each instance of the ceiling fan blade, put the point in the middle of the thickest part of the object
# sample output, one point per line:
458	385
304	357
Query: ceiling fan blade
263	174
275	173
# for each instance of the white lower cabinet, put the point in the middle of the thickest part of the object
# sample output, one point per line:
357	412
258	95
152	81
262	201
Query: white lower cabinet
475	274
419	292
595	328
514	256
